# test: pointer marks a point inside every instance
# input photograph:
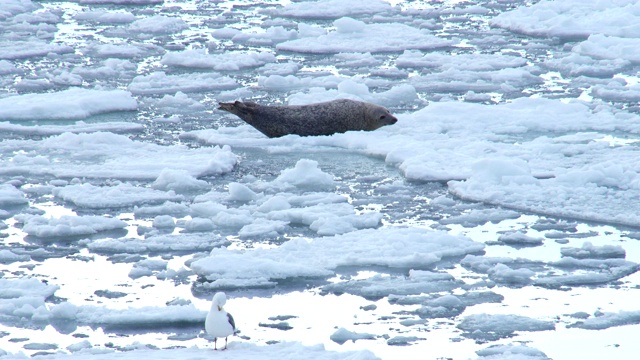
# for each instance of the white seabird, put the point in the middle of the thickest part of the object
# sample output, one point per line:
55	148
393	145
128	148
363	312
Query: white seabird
219	323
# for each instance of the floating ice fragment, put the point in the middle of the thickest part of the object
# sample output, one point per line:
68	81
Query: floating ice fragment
305	174
67	104
43	227
589	251
397	37
330	9
158	24
118	196
343	335
180	181
496	326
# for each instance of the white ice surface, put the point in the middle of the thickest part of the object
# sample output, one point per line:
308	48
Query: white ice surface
43	227
121	195
74	103
319	257
161	83
11	196
108	155
219	62
237	349
354	35
573	18
331	9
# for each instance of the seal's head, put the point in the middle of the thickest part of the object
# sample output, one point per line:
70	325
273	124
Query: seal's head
378	116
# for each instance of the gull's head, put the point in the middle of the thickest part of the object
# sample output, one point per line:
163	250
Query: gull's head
219	299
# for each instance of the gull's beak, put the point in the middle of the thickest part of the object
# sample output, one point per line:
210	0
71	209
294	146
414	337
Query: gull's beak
219	308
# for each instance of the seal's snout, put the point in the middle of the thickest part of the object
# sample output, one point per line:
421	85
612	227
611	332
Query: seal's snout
388	119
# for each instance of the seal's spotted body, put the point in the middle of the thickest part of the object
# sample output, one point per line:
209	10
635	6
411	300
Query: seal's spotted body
325	118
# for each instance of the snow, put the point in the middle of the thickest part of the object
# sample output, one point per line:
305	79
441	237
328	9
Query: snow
68	104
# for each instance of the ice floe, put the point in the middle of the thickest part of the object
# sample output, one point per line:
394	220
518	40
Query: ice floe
231	61
161	83
330	9
300	258
74	103
108	155
65	226
354	35
573	19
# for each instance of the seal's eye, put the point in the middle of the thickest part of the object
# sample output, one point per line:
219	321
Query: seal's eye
383	117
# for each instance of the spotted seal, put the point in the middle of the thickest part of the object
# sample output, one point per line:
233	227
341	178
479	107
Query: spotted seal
323	118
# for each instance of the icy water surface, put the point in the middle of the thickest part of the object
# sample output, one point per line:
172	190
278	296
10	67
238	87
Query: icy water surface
501	209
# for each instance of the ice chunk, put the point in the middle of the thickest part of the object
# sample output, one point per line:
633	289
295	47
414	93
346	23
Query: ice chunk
521	239
262	227
160	83
228	61
392	247
158	24
589	251
121	195
108	155
188	242
40	226
26	49
572	19
503	274
180	181
608	320
511	352
496	326
600	46
68	104
106	17
471	62
240	192
331	9
360	37
10	196
379	286
306	175
343	335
